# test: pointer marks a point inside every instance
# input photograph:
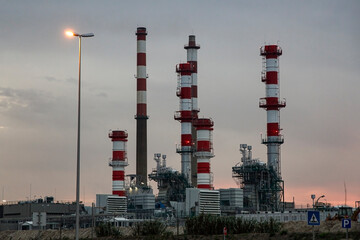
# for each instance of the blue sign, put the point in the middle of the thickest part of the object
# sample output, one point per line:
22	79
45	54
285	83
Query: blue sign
346	223
313	218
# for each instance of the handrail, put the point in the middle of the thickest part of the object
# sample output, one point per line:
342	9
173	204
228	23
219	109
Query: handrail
118	163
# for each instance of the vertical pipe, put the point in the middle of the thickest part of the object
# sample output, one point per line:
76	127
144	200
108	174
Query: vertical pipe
272	104
78	152
118	161
204	128
191	52
141	112
185	118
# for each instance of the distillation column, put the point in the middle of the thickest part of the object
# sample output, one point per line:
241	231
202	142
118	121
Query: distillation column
118	161
191	52
204	151
184	116
272	104
141	114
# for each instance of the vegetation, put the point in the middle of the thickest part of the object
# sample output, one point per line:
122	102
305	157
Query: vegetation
151	229
107	230
213	225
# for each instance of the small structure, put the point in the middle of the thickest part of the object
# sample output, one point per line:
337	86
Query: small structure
202	201
231	201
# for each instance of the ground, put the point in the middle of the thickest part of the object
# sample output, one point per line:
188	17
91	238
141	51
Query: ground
329	230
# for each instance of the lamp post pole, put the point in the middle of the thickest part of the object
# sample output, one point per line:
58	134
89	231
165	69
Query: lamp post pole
78	151
313	227
80	36
317	200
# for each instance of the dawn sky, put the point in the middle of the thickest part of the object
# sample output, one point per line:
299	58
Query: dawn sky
319	77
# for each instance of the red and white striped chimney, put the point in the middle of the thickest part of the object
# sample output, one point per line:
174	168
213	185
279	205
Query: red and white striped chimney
141	72
185	118
141	113
191	52
272	104
118	161
204	151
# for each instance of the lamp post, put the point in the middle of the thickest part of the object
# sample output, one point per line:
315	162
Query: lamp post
313	198
80	36
317	200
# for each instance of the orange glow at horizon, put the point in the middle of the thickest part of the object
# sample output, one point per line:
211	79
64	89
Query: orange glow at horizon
302	195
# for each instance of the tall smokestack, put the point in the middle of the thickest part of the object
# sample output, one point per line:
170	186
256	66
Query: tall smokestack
118	161
184	116
204	151
272	105
141	115
191	52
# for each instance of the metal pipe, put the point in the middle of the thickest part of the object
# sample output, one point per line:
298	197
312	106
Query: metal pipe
78	135
78	151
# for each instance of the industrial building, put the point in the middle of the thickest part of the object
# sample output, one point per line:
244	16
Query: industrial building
14	214
231	201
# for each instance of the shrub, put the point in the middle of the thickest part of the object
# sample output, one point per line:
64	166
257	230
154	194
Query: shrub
106	230
270	226
149	228
213	225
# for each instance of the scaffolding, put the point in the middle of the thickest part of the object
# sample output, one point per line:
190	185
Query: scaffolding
171	183
263	189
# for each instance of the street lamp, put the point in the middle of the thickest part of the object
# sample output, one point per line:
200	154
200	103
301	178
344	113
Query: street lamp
80	36
317	200
313	198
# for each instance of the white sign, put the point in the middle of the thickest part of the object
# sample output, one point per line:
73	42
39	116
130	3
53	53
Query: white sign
314	219
39	219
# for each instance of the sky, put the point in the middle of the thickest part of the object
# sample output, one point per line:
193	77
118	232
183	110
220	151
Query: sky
319	77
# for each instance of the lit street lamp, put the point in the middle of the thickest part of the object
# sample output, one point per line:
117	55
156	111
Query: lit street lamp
69	33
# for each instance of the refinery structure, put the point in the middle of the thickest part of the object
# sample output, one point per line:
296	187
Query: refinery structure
190	190
261	182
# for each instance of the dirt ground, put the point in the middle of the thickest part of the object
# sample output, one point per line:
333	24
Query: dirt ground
290	230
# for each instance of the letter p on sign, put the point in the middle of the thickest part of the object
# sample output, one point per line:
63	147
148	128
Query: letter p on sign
346	223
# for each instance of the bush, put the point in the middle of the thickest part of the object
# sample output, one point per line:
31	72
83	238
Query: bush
106	230
213	225
149	228
270	226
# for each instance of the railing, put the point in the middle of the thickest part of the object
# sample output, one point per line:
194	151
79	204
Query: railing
279	104
179	116
118	163
179	149
118	134
205	154
191	46
178	87
277	52
263	76
277	139
204	122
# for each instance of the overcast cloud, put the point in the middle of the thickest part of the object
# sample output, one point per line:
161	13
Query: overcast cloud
319	73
